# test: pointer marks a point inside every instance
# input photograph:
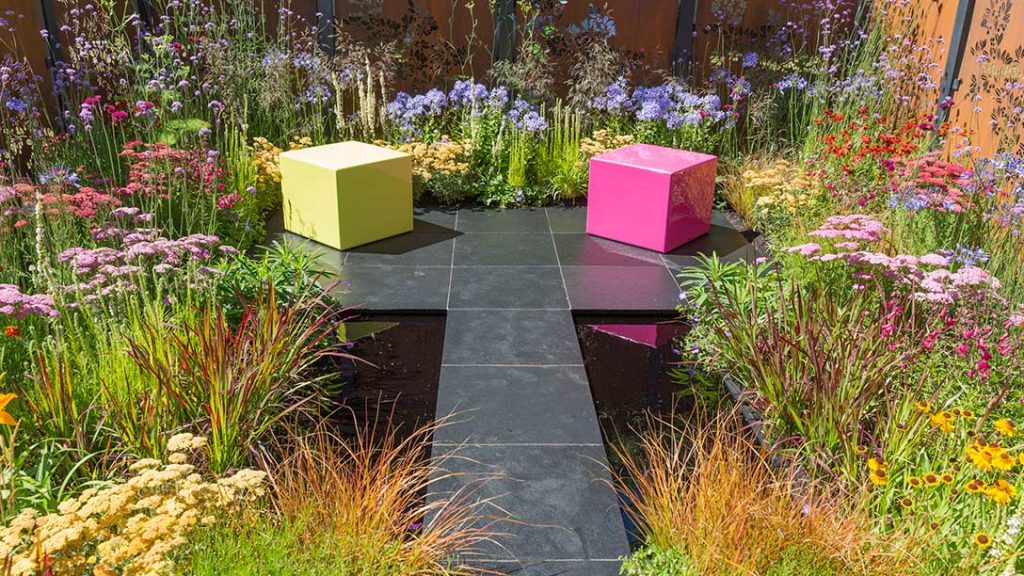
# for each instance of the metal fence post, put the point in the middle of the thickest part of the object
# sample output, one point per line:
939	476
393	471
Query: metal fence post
682	52
145	13
505	30
54	51
957	48
325	25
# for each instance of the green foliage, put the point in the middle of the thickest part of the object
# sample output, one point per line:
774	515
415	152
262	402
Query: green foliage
179	130
293	273
652	561
559	162
520	152
804	562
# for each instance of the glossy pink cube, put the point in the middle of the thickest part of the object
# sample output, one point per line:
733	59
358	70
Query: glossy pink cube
651	196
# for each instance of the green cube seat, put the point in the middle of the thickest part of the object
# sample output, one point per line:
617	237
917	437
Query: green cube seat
347	194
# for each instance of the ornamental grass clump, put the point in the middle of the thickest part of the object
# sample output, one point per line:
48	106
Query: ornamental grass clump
350	507
132	527
714	501
235	382
817	366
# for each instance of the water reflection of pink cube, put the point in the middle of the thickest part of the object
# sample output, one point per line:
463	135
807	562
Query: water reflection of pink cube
650	196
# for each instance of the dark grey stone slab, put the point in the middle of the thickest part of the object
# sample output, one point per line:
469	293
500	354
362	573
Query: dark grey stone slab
444	218
746	254
565	220
535	249
412	249
558	568
548	502
502	221
634	288
516	405
393	287
720	239
520	337
719	218
508	287
586	250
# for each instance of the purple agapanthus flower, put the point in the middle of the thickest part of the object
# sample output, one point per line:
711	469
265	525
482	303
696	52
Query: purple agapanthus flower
466	93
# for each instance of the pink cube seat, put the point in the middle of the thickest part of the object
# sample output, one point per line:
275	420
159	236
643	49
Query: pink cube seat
651	196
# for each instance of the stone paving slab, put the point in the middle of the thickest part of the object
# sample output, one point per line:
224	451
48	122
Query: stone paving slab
500	287
558	568
511	338
617	288
515	405
390	287
552	502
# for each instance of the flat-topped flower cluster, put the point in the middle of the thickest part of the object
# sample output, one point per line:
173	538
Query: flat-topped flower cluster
131	527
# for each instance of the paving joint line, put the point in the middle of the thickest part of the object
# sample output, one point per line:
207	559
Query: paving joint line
534	562
521	444
558	259
451	267
513	365
510	309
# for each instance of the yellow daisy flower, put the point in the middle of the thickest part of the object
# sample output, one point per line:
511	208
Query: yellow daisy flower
1005	427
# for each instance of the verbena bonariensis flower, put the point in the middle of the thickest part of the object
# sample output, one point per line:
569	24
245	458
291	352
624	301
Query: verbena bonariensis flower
17	304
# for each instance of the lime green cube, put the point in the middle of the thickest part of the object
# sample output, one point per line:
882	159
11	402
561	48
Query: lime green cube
347	194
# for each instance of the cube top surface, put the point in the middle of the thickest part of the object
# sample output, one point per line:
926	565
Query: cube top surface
655	158
343	155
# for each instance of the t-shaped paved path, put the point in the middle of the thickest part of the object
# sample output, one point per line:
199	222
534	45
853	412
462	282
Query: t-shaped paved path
512	371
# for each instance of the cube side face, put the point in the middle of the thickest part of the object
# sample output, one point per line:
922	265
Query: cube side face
690	204
375	201
310	201
628	204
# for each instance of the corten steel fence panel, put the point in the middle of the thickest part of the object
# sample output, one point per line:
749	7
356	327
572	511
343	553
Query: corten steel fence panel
738	26
645	34
644	27
990	96
25	42
438	40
